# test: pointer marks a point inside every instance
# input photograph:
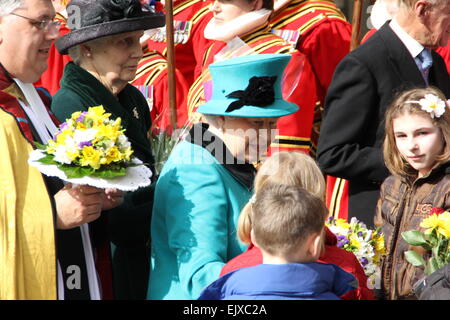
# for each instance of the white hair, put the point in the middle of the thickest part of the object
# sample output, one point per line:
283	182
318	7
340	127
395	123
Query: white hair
8	6
382	11
77	55
410	3
211	119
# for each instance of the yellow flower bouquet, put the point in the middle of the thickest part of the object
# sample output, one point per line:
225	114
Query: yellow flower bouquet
90	148
435	238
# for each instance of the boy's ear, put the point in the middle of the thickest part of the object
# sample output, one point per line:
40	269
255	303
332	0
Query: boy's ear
315	246
252	238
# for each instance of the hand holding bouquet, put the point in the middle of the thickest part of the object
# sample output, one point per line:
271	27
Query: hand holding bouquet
367	245
89	148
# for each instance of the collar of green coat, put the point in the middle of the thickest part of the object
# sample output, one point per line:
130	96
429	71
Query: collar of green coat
129	105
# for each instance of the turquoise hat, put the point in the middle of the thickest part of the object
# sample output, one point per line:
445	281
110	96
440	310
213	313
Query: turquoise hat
249	86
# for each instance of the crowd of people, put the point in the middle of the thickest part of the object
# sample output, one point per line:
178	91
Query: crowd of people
283	128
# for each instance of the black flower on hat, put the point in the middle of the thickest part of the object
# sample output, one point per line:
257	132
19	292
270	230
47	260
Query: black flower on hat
111	10
129	8
259	92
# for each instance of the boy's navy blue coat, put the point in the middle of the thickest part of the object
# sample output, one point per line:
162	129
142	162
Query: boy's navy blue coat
293	281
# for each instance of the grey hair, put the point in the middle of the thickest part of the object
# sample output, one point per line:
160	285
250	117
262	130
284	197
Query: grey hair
211	119
410	3
8	6
76	54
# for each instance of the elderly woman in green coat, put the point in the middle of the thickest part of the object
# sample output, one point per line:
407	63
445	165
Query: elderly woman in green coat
209	175
105	50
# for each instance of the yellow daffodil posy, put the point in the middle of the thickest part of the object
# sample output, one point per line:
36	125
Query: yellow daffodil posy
354	241
342	223
90	139
90	157
440	223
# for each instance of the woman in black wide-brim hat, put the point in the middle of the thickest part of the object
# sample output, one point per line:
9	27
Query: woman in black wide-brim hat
104	46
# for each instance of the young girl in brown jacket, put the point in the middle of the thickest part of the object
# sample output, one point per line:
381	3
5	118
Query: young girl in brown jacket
417	153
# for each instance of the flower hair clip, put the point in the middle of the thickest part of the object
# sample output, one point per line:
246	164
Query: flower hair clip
433	105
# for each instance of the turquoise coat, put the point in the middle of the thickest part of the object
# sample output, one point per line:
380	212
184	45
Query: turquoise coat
196	207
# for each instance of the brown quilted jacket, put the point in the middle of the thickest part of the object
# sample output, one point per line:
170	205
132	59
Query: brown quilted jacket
402	206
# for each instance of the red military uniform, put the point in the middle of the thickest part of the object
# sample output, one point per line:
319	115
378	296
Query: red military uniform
152	80
337	197
445	54
319	30
56	62
368	35
190	18
295	129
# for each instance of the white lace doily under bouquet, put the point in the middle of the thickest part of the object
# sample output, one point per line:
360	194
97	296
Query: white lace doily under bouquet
91	149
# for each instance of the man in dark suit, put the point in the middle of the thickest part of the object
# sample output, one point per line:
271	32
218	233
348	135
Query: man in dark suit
396	58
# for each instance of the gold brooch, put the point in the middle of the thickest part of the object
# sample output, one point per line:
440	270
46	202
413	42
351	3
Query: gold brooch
135	113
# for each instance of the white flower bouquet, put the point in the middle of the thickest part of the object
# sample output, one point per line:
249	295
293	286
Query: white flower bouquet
90	148
367	245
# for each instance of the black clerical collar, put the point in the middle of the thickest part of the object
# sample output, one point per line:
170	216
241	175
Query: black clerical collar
201	136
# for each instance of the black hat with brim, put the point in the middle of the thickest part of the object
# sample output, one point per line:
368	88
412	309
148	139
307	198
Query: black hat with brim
102	18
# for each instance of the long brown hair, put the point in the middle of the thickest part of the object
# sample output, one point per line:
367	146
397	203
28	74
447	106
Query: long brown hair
407	103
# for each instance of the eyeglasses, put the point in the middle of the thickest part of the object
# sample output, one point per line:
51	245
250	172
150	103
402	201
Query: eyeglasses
41	25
